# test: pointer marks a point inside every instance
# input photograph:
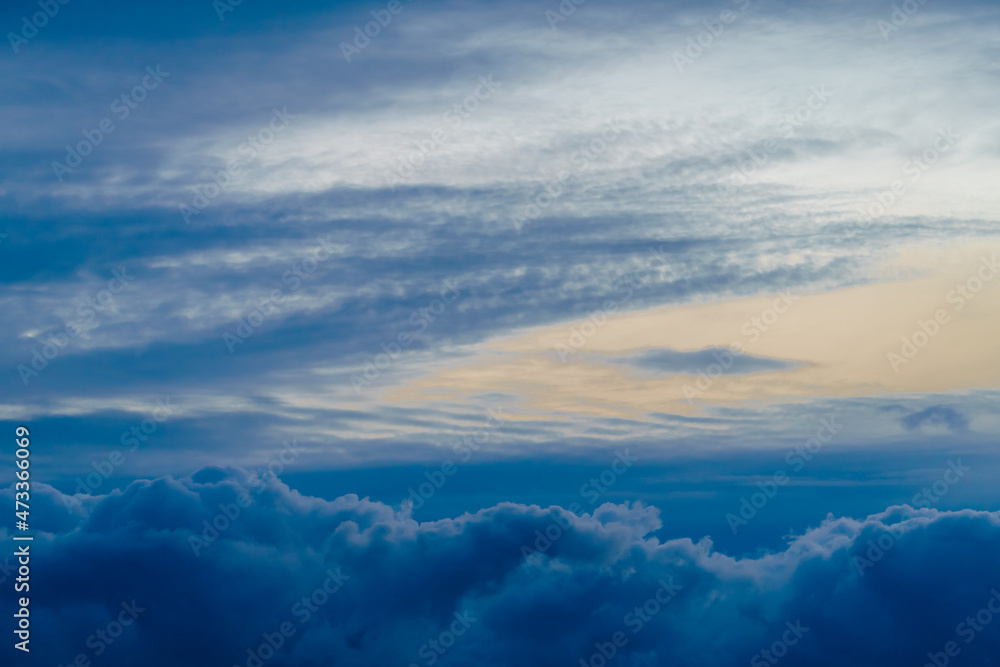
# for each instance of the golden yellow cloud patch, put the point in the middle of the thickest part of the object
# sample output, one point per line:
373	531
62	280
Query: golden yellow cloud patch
934	333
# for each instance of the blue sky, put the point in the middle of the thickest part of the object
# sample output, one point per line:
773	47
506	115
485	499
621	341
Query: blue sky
492	251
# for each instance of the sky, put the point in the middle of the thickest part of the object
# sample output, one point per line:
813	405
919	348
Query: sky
640	333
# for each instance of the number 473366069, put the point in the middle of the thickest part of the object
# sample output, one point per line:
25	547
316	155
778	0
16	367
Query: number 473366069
22	487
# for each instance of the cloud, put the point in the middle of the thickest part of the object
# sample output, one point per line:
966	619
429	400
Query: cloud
655	186
660	185
937	415
667	361
909	335
881	590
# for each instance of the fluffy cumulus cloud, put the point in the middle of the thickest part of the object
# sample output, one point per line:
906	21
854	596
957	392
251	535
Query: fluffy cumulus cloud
226	568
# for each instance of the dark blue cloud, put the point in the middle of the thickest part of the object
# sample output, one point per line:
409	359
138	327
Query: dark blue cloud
531	586
666	361
937	415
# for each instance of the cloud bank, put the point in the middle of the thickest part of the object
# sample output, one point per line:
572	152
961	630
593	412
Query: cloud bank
225	568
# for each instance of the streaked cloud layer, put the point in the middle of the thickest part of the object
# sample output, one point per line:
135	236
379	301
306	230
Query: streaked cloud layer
802	152
923	335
